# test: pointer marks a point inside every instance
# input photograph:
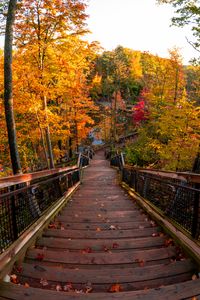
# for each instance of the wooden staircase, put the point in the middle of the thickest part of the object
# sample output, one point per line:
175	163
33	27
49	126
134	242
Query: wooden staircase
103	246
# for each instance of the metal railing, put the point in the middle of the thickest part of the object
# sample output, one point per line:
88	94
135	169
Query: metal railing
174	195
23	202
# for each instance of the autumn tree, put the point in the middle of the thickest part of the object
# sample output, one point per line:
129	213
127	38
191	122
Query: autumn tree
117	81
39	26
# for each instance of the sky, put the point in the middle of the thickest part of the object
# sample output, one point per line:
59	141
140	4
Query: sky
137	24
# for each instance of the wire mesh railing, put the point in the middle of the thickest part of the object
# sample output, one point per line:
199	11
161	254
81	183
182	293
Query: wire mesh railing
174	196
22	204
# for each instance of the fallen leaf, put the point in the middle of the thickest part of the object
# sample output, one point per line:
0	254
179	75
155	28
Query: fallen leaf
99	215
18	269
154	234
153	224
161	234
52	225
194	277
105	249
112	227
115	245
40	256
88	288
141	263
44	282
58	288
14	279
79	291
68	287
194	298
98	229
169	242
62	227
86	250
115	288
26	285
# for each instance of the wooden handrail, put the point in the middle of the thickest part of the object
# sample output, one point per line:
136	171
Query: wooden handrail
185	176
23	178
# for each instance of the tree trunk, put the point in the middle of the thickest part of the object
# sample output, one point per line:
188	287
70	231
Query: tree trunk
43	140
47	135
196	165
8	86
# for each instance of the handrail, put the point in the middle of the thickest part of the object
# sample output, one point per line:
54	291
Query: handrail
185	176
175	195
24	198
23	178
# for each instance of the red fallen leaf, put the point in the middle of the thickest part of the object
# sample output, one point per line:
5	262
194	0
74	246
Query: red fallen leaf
141	262
40	256
14	279
87	250
26	285
115	288
169	242
52	225
105	249
115	245
18	269
68	287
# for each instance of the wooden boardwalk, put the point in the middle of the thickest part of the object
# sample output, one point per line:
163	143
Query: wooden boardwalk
103	246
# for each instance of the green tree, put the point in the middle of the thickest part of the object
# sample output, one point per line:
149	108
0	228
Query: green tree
187	12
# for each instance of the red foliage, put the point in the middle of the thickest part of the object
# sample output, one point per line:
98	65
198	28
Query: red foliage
139	113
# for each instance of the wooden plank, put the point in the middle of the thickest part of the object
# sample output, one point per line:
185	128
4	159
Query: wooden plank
103	214
100	219
103	226
108	234
108	257
109	276
172	292
78	244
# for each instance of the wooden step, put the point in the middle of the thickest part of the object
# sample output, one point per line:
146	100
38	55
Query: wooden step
137	277
102	226
178	291
98	234
108	257
78	244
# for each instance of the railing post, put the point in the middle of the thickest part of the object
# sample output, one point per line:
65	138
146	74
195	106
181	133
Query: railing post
196	216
